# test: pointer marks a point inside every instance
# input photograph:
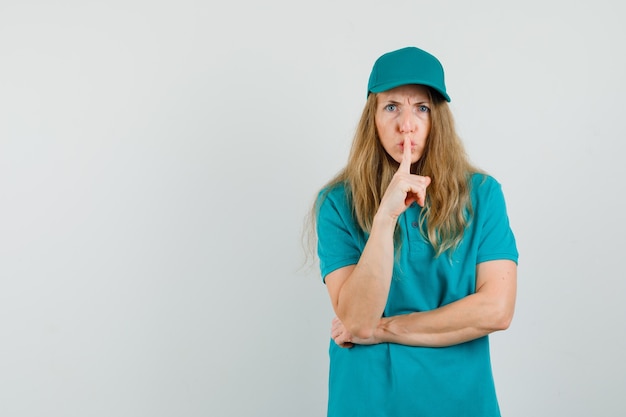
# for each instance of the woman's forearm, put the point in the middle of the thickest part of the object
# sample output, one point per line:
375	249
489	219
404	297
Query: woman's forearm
490	309
363	295
445	326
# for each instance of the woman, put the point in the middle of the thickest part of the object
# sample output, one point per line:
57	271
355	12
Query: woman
417	255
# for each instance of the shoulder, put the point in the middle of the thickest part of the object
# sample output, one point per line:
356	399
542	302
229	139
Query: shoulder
334	208
482	181
486	193
483	186
335	195
490	220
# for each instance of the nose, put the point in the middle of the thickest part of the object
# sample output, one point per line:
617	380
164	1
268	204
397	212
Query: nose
406	122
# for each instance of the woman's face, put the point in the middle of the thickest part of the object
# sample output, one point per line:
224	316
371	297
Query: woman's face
403	112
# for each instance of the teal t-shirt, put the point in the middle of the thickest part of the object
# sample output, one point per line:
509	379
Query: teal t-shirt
391	380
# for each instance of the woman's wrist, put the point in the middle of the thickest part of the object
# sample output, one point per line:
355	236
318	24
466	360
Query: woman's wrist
384	221
380	334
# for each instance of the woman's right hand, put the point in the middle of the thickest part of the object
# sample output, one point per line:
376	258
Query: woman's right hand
404	188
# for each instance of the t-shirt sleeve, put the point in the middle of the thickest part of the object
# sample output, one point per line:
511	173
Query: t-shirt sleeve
497	239
339	239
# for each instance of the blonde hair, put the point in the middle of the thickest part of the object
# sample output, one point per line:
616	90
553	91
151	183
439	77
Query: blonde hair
369	170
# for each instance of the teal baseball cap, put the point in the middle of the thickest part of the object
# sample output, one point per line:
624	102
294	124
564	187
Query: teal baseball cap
408	65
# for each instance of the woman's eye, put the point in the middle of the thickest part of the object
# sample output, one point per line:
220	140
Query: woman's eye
423	109
390	107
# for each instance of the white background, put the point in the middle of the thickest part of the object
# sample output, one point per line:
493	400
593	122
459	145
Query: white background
158	159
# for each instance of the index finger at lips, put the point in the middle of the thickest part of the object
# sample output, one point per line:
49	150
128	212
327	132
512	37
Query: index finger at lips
405	165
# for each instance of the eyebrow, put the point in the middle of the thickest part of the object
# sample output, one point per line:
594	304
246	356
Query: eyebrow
392	101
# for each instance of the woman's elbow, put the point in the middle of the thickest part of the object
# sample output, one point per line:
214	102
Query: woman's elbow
362	330
501	319
363	333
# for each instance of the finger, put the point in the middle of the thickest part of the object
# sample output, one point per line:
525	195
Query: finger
335	323
343	340
421	196
421	200
405	164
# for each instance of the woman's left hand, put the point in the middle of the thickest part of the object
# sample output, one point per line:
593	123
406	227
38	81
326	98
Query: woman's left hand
344	339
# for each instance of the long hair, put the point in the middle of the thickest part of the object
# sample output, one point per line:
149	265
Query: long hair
369	170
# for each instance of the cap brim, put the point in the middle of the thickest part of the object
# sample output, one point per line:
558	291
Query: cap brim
388	86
